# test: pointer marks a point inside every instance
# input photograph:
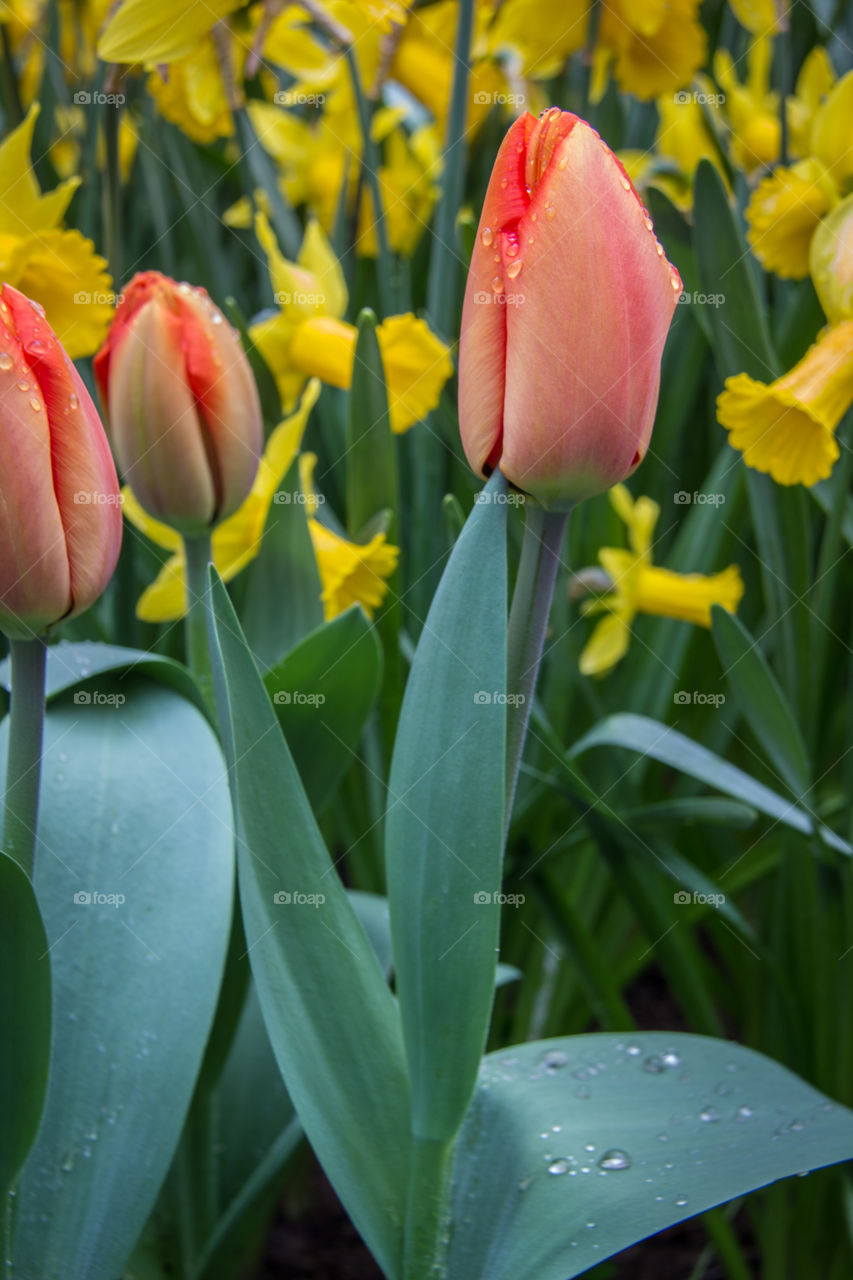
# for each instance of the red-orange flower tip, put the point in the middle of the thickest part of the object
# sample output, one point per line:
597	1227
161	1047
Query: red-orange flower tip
60	513
567	307
181	402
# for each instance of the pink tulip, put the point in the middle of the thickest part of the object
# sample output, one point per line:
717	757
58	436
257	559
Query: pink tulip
60	512
182	406
567	308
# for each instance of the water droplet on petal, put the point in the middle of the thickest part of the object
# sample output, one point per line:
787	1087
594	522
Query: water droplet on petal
498	284
487	237
504	183
625	183
681	1202
23	385
562	163
513	268
615	1159
6	361
73	401
36	345
561	1166
35	404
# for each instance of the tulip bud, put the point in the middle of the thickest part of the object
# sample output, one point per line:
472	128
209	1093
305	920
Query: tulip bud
567	308
183	411
60	507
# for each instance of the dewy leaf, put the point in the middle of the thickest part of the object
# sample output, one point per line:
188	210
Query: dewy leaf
24	1017
330	1015
134	877
444	823
578	1147
651	738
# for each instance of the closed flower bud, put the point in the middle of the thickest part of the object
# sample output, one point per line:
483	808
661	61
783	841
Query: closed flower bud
182	407
567	308
60	512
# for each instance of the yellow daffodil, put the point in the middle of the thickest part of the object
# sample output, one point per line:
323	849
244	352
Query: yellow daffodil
55	267
651	48
307	337
751	106
831	262
349	574
527	29
153	31
784	212
190	92
637	585
787	428
760	17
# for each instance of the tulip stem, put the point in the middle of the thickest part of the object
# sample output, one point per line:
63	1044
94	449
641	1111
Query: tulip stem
426	1213
197	554
528	620
23	766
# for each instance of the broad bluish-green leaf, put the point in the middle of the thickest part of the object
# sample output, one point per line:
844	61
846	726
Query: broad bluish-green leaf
24	1017
651	738
329	1012
576	1148
323	691
134	877
759	698
72	666
444	823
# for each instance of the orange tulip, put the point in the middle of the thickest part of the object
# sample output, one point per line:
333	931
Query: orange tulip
567	308
183	411
60	512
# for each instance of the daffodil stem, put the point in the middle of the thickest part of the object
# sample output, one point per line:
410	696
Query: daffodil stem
23	767
198	555
528	621
427	1210
385	276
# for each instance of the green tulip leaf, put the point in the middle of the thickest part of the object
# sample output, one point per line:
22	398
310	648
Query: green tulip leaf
371	461
444	824
576	1148
134	878
651	738
24	1017
330	1015
323	692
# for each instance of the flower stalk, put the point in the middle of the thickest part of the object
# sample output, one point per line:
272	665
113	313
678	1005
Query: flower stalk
23	767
